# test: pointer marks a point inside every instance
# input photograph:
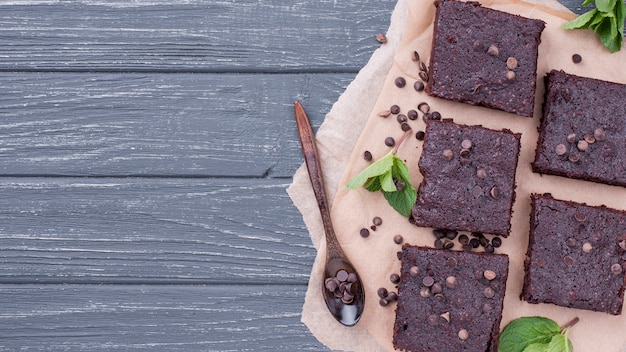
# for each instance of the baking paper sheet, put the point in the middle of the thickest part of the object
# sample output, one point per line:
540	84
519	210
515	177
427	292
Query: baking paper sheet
353	126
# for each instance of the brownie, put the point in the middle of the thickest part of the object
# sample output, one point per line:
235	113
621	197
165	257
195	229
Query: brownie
583	129
468	178
449	300
575	255
486	57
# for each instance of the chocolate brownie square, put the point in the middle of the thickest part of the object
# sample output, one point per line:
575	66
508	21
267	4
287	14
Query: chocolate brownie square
486	57
449	300
583	129
468	178
575	256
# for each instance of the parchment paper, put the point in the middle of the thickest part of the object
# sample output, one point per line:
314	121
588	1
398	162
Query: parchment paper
353	126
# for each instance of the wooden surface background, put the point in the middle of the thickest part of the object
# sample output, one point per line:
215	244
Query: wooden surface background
145	148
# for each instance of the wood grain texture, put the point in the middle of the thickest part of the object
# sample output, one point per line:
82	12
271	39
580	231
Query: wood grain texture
86	318
129	124
191	35
231	231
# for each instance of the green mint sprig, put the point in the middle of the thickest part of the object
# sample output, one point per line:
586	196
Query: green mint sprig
390	175
536	334
607	20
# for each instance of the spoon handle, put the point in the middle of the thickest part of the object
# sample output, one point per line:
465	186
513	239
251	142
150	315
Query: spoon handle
311	157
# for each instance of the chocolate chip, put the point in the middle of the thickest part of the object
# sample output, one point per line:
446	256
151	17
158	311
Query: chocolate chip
390	142
599	134
412	115
475	243
463	239
464	153
478	45
560	149
582	145
481	173
394	109
511	63
487	308
580	216
494	192
423	67
424	292
573	158
440	297
418	86
392	296
398	239
445	316
435	115
439	233
364	232
433	319
381	38
400	82
330	284
383	302
622	244
414	271
466	144
367	155
463	334
436	288
590	139
416	56
452	263
493	50
423	107
616	269
405	126
377	221
571	242
488	292
477	191
420	135
428	281
342	275
384	113
401	118
352	278
423	76
510	75
451	282
587	247
489	248
571	138
489	274
496	242
448	154
448	244
394	278
568	260
576	58
373	227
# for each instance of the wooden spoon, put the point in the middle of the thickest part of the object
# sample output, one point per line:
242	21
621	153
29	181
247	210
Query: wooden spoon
341	287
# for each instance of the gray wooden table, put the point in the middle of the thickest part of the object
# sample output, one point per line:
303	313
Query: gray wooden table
145	148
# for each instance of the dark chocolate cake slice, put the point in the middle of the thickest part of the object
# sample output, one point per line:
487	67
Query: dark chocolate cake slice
583	129
575	255
469	178
449	300
486	57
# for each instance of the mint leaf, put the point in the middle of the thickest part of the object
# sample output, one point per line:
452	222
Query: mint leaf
581	21
607	20
377	168
536	347
525	331
390	175
560	343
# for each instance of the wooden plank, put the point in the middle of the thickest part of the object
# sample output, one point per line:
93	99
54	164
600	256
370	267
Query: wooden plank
130	124
191	35
156	318
195	231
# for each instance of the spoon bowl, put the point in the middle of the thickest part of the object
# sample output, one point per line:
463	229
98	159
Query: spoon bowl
341	287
